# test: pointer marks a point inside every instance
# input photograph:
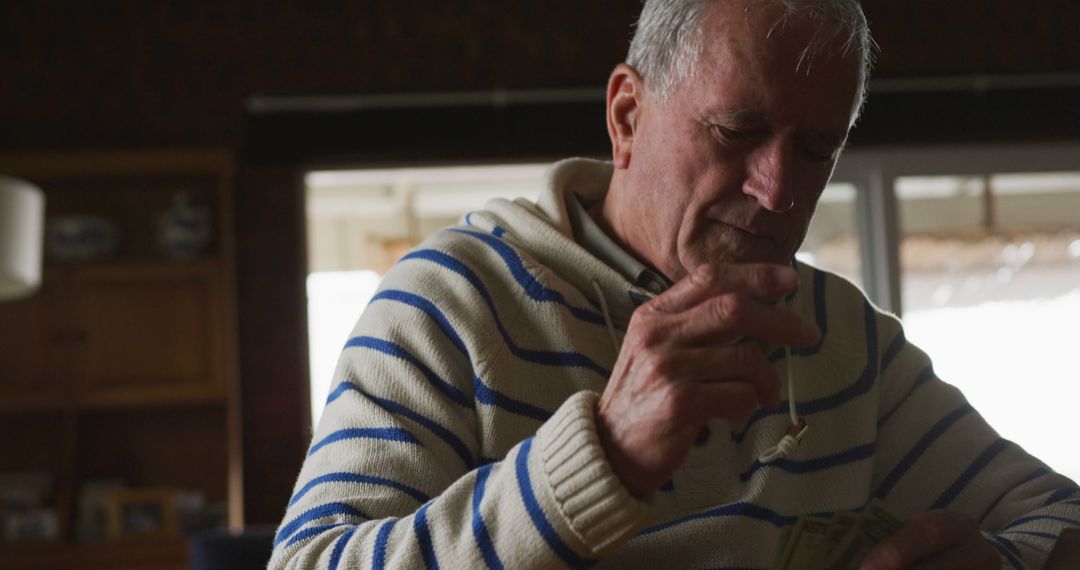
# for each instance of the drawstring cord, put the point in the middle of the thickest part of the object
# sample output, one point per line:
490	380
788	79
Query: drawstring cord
790	442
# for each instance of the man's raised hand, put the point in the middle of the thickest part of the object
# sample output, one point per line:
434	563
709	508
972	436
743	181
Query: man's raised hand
682	363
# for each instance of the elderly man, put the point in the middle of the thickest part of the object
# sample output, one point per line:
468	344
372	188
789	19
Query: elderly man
598	377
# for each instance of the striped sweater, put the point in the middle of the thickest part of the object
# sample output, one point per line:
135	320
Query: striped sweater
460	429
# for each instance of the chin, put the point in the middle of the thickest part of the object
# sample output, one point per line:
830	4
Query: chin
745	254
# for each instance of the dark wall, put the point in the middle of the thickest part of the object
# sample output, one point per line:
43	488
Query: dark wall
137	73
132	72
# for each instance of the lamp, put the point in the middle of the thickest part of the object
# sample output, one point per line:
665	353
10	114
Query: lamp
22	209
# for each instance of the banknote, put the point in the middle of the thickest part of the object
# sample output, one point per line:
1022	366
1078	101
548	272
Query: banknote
809	544
837	542
842	522
875	523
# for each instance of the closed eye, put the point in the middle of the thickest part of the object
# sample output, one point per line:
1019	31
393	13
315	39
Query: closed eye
820	155
821	148
728	135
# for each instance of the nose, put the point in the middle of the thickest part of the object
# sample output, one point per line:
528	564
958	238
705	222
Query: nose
770	177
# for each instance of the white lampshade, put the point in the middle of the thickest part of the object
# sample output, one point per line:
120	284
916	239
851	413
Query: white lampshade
22	212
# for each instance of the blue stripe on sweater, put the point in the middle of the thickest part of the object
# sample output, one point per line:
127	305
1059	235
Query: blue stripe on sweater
491	397
310	532
423	537
972	471
342	477
1034	475
925	376
1023	520
431	425
919	448
861	386
392	349
429	309
479	529
536	513
392	407
747	510
816	464
384	434
1008	550
484	395
565	359
820	315
341	388
533	288
498	231
1045	535
339	548
378	557
894	349
1061	495
316	513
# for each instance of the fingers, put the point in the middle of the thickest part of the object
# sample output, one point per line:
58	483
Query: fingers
763	281
719	305
932	538
729	382
727	318
741	364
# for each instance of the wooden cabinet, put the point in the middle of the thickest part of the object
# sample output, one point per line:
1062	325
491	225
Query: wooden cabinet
123	368
31	367
149	332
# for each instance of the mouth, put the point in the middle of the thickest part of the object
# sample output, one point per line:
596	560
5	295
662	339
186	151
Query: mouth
751	231
755	231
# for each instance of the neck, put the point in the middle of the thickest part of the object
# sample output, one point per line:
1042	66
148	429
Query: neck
607	214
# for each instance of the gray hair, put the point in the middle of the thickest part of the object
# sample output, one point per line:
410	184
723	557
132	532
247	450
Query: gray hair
668	37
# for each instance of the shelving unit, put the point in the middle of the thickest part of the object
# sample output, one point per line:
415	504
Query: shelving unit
124	368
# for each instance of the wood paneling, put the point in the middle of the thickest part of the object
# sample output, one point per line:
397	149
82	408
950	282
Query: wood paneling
125	72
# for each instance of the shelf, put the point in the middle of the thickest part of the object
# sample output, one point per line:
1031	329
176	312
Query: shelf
124	368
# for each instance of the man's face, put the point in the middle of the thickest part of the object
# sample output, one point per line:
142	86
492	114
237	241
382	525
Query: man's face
729	168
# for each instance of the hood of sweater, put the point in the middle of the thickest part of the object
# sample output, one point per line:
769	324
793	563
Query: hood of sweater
543	229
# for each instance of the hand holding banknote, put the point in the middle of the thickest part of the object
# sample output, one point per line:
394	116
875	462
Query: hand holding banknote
936	539
876	539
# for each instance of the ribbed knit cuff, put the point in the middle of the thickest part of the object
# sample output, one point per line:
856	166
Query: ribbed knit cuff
598	507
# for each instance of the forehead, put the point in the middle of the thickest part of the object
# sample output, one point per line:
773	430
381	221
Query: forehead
756	59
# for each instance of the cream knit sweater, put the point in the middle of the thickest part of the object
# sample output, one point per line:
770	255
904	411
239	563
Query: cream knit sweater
460	430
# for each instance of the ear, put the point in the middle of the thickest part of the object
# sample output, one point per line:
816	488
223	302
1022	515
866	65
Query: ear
625	93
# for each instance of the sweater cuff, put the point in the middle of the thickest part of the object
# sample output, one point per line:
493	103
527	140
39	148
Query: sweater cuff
591	498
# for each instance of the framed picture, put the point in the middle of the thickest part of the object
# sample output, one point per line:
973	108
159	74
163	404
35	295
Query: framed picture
141	513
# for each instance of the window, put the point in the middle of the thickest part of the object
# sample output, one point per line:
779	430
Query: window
991	290
361	221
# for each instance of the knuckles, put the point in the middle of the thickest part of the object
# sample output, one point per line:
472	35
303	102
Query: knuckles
705	276
729	308
647	333
658	366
